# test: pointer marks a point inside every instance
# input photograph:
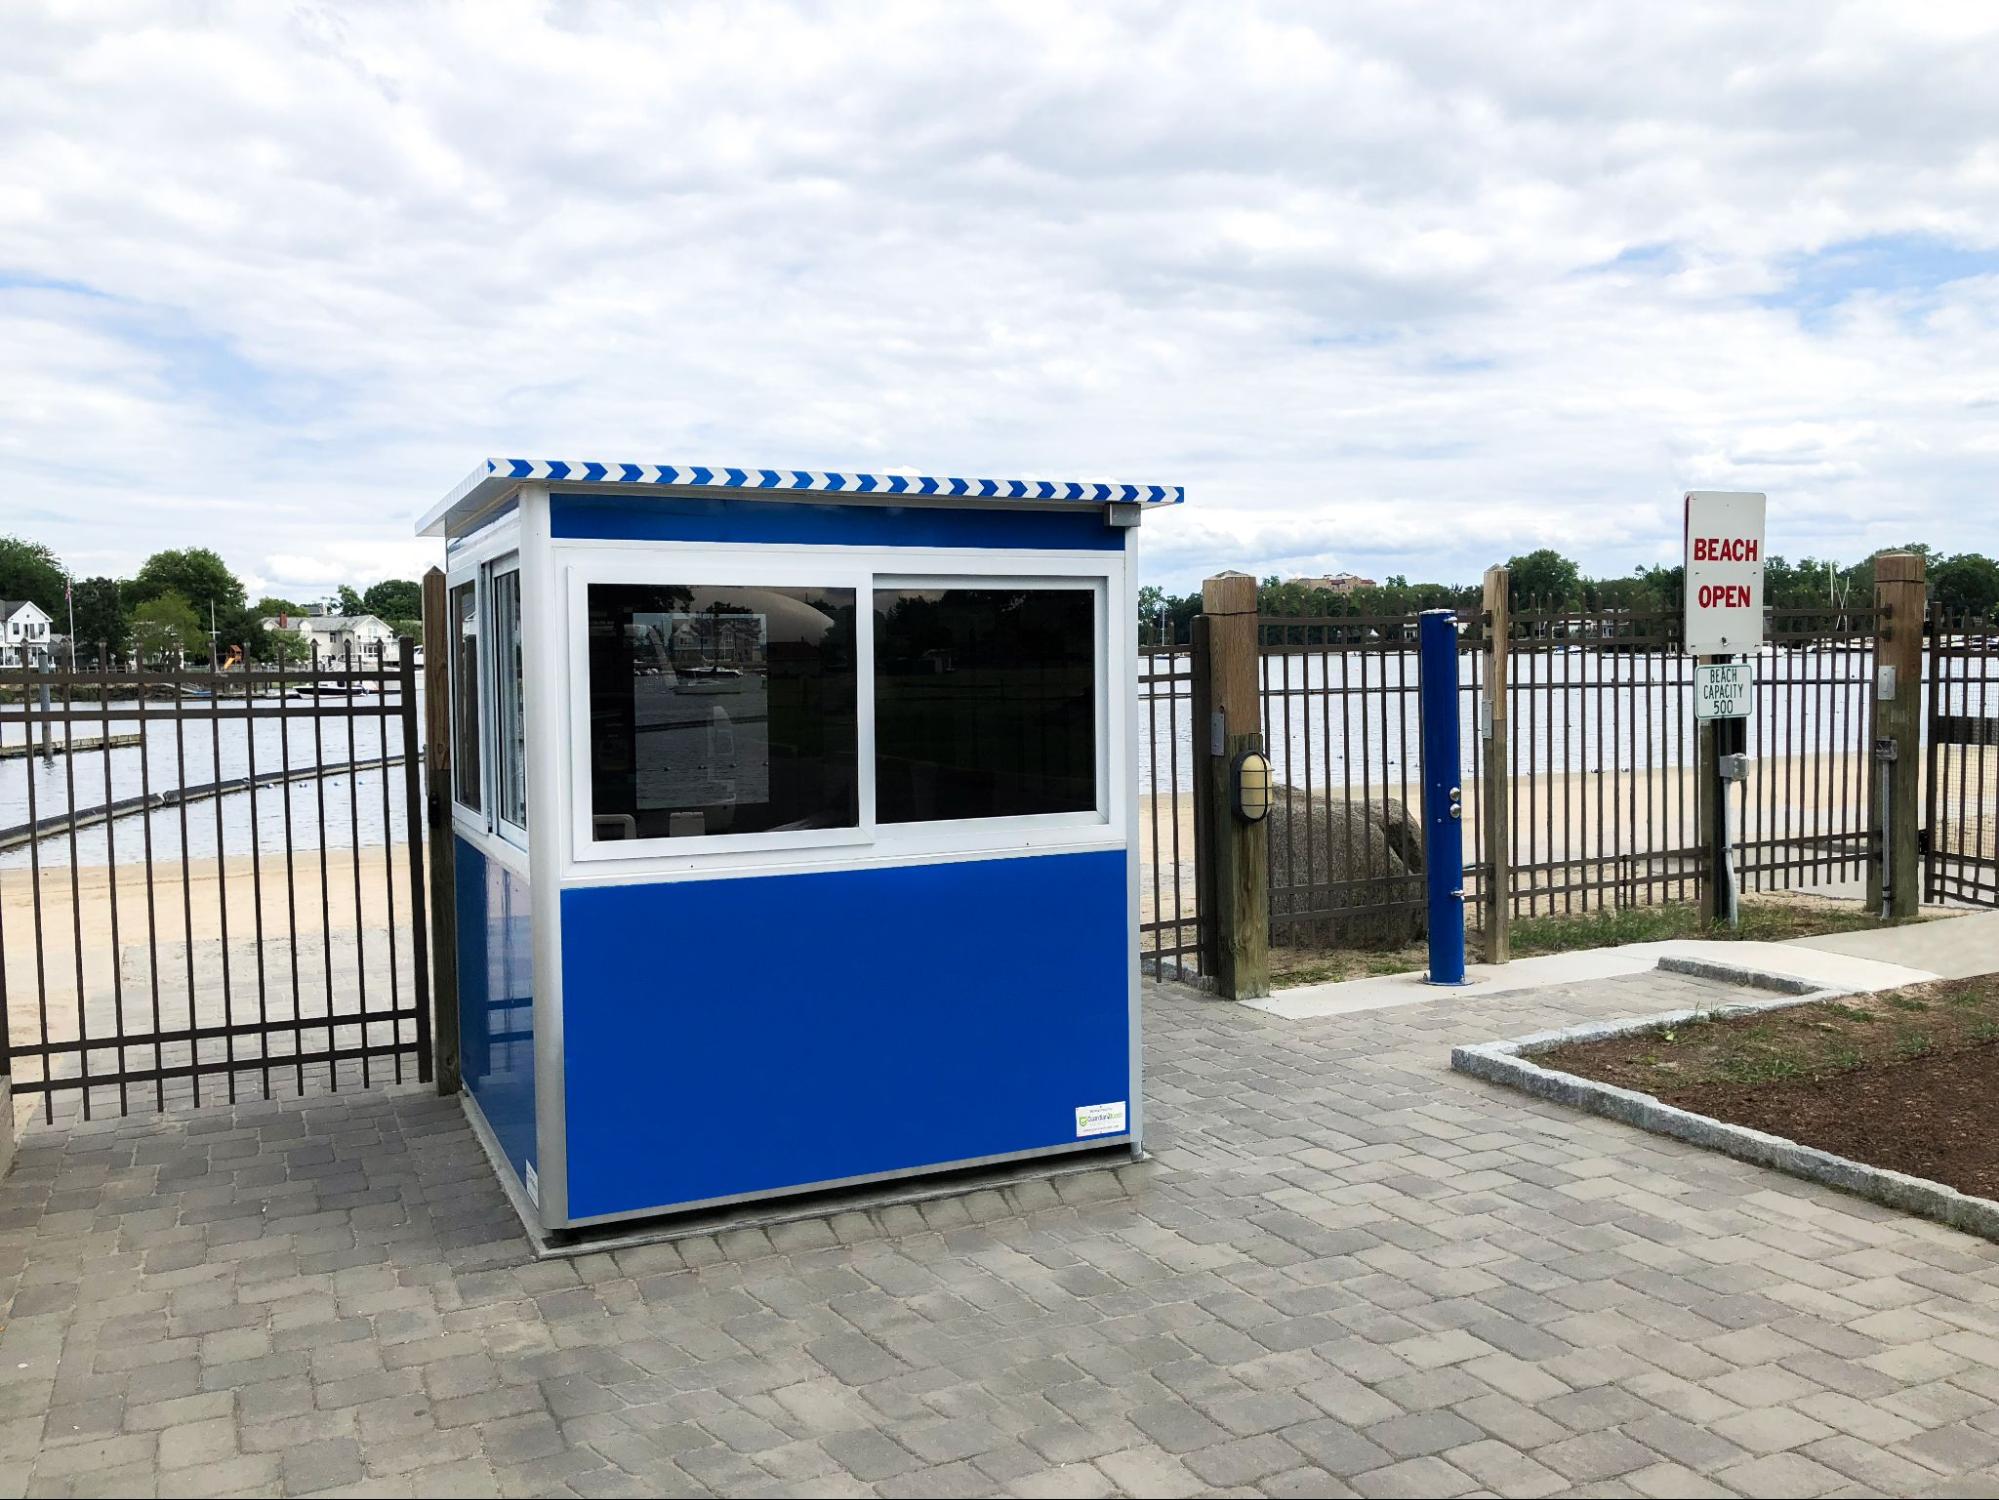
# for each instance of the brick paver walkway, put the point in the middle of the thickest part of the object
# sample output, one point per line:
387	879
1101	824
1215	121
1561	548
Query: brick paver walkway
1348	1271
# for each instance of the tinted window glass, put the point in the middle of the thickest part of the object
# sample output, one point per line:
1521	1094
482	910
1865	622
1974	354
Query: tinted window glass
985	703
721	710
510	792
465	693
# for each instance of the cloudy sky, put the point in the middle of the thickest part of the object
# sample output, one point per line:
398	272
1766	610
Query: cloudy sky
1400	288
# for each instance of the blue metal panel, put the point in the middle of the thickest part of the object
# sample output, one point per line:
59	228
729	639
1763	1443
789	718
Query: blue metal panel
717	518
495	1000
727	1037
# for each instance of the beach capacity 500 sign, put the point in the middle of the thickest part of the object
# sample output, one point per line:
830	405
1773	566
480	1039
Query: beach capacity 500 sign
1724	572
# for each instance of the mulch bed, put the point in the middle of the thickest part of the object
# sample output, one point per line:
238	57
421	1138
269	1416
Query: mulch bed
1903	1080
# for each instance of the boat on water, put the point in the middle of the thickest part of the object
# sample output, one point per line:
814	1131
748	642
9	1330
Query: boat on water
330	689
714	679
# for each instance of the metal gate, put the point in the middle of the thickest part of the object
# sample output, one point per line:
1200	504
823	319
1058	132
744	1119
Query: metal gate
1961	762
212	888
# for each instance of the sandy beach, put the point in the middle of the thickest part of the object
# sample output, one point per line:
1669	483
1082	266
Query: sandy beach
298	946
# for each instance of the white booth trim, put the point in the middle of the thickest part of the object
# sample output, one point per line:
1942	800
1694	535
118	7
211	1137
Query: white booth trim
579	564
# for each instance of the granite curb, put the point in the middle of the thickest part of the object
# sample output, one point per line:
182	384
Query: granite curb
1510	1063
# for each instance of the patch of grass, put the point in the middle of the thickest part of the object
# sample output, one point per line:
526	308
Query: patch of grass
1758	1065
1614	927
1292	967
1796	1046
1765	919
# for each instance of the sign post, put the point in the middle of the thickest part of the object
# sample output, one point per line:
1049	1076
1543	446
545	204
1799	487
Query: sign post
1723	538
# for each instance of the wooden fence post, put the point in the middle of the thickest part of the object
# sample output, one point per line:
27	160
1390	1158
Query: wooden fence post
1242	850
437	818
1900	598
1496	796
1199	708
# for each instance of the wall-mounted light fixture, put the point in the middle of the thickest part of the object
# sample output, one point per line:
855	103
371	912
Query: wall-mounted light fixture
1251	779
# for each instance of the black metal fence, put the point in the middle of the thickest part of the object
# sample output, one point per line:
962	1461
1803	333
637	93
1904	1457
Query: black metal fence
1342	721
1171	857
1601	768
1605	806
1961	766
213	886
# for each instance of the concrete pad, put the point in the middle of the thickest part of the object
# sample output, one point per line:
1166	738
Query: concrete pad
1835	970
1954	947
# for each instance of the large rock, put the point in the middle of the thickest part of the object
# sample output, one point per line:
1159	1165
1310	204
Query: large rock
1351	871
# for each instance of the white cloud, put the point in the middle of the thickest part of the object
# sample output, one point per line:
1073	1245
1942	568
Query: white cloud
1404	289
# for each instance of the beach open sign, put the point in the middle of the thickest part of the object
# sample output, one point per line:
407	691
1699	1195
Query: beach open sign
1724	690
1724	572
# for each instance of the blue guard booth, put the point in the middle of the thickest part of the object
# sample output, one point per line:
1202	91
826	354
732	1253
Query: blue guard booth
794	826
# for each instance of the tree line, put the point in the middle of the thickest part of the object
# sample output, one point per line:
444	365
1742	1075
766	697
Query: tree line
1964	583
179	602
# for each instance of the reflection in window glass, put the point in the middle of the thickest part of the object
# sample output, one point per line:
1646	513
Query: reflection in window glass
465	694
720	710
985	703
510	777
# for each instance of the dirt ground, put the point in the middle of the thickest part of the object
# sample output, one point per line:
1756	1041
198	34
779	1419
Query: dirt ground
1901	1080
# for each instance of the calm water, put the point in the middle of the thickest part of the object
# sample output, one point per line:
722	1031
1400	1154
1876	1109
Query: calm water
1354	714
339	812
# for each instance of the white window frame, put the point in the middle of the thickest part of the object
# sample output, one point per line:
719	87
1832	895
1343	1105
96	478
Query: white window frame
489	671
482	815
705	570
471	561
579	564
945	834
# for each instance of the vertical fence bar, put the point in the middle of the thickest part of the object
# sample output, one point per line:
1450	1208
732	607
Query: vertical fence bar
420	934
1495	788
152	900
76	891
354	859
389	847
256	870
35	882
111	878
173	681
221	867
291	869
325	877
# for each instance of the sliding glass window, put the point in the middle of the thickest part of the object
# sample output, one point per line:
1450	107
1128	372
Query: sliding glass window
985	702
510	780
721	710
467	769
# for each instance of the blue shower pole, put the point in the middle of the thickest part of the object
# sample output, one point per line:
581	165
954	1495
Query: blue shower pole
1443	795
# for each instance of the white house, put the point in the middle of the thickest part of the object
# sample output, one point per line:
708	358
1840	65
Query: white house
332	636
24	633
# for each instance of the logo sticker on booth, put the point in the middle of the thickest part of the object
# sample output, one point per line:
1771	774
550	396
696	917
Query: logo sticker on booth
1100	1119
533	1185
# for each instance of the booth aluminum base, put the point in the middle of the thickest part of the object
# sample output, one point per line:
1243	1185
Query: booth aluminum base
924	1185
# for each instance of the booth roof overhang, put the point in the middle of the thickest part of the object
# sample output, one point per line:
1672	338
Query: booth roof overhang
496	478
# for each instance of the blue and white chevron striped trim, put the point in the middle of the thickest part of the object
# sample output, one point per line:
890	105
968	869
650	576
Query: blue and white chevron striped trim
563	471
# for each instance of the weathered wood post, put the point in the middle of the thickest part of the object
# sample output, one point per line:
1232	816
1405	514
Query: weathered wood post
1496	795
437	819
1200	710
1242	850
1900	597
